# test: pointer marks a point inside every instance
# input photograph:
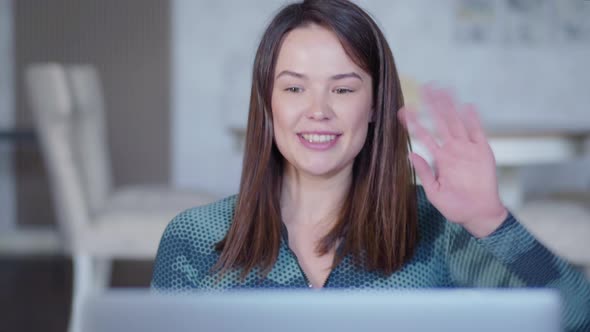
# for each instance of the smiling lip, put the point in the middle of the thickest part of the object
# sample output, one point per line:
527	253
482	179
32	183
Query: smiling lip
318	146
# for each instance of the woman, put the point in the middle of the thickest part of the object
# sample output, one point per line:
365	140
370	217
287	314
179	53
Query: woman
327	196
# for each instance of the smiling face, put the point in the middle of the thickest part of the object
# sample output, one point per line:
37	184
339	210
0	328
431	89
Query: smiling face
321	103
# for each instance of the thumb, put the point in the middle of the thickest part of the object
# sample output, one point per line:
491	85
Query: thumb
423	171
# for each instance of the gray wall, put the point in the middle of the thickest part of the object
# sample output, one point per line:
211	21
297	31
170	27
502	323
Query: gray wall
128	41
211	79
7	199
521	66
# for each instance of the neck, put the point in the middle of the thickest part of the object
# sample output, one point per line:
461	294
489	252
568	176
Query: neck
308	200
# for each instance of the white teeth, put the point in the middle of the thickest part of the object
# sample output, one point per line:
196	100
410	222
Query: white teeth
314	138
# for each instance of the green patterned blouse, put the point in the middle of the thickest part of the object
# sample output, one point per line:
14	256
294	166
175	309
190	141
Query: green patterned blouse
446	256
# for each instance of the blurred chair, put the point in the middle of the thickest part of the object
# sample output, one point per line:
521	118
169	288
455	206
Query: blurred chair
97	222
561	220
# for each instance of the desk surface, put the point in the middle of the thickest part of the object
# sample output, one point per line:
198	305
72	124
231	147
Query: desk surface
525	150
532	142
502	126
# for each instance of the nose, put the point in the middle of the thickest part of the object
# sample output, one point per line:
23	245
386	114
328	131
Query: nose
318	115
319	109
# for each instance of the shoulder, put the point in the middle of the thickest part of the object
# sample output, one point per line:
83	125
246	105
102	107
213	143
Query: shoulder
432	224
187	248
202	226
434	228
427	213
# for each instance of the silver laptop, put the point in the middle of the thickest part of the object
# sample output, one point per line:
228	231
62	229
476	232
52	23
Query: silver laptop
522	310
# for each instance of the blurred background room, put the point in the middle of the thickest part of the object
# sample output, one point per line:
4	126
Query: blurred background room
115	115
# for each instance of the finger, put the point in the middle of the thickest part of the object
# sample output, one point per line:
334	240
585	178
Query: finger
424	172
429	97
473	125
448	111
410	120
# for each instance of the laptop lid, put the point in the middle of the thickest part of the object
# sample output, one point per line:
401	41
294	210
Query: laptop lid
522	310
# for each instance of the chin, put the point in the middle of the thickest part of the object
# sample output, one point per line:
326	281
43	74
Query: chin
319	172
321	169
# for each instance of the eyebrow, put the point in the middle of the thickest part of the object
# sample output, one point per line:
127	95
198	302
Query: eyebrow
347	75
334	78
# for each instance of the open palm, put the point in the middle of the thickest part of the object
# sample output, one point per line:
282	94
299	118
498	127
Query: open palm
462	183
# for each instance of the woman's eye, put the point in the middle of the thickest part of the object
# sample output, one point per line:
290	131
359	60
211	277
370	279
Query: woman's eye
342	90
293	89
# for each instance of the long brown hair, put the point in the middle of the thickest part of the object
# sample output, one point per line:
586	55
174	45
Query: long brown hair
377	222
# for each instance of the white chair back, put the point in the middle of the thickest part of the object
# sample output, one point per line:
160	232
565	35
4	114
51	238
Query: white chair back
53	115
91	134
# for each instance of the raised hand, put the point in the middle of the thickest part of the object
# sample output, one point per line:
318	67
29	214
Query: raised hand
462	184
